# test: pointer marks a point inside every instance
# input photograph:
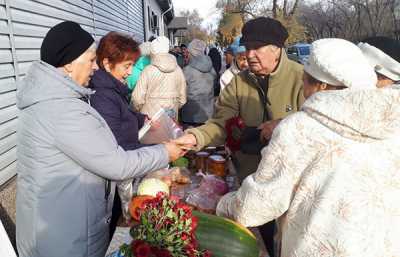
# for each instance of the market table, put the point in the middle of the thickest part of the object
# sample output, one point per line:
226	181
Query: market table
122	235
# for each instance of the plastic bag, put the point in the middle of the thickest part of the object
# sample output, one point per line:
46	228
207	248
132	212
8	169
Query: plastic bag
177	175
125	192
162	174
161	128
207	195
214	184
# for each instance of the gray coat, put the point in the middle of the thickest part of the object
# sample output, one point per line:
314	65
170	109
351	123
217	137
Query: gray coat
200	77
66	153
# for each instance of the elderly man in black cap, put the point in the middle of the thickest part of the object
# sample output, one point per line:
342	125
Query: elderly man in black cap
270	90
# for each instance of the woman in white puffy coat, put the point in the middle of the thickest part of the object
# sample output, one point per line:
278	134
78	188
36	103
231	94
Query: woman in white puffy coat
330	174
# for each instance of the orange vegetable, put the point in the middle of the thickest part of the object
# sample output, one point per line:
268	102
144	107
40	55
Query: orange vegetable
136	203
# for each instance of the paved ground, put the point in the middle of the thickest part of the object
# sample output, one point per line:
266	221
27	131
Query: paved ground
7	208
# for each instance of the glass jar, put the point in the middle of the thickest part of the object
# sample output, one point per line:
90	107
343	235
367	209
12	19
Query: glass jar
216	165
201	161
223	153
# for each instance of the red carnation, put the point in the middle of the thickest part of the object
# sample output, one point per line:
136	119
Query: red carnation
152	203
141	248
194	242
190	250
160	195
187	209
184	236
154	250
178	206
136	243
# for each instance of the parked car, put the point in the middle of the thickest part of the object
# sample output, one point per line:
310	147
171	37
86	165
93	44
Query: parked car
299	52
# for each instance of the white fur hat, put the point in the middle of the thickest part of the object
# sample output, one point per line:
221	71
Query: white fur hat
160	45
382	63
197	47
339	62
145	48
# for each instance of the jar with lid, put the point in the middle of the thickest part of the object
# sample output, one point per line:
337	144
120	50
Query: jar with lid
223	153
216	165
201	161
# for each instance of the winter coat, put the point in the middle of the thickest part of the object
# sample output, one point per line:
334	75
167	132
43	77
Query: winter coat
216	60
137	69
66	153
200	77
228	75
241	98
161	85
110	100
330	174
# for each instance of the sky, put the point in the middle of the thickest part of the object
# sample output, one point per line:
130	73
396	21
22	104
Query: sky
206	8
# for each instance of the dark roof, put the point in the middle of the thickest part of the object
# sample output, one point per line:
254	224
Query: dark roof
178	23
180	33
165	5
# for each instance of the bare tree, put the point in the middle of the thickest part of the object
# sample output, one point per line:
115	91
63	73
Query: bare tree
195	29
350	19
246	8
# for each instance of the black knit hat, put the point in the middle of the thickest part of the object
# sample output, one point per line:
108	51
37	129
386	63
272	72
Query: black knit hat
387	45
263	31
64	43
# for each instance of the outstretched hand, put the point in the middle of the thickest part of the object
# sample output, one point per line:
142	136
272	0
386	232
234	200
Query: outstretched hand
267	128
187	141
174	151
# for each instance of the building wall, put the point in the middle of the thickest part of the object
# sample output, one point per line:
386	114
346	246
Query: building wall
23	25
152	7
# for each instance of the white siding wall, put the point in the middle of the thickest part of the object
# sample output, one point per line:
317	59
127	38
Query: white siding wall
23	24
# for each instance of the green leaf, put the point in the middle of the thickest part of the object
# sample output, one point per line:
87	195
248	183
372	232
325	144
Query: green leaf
126	250
170	214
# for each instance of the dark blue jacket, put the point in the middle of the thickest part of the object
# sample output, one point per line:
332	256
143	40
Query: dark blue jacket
111	101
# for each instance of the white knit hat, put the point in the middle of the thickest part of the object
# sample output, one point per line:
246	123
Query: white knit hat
382	63
339	62
197	47
145	48
160	45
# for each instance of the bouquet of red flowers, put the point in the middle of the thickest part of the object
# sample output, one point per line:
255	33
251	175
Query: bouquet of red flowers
234	128
166	229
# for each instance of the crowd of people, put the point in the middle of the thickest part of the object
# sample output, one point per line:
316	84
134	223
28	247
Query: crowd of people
317	156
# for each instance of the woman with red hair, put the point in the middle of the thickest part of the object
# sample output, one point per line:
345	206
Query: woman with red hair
116	54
